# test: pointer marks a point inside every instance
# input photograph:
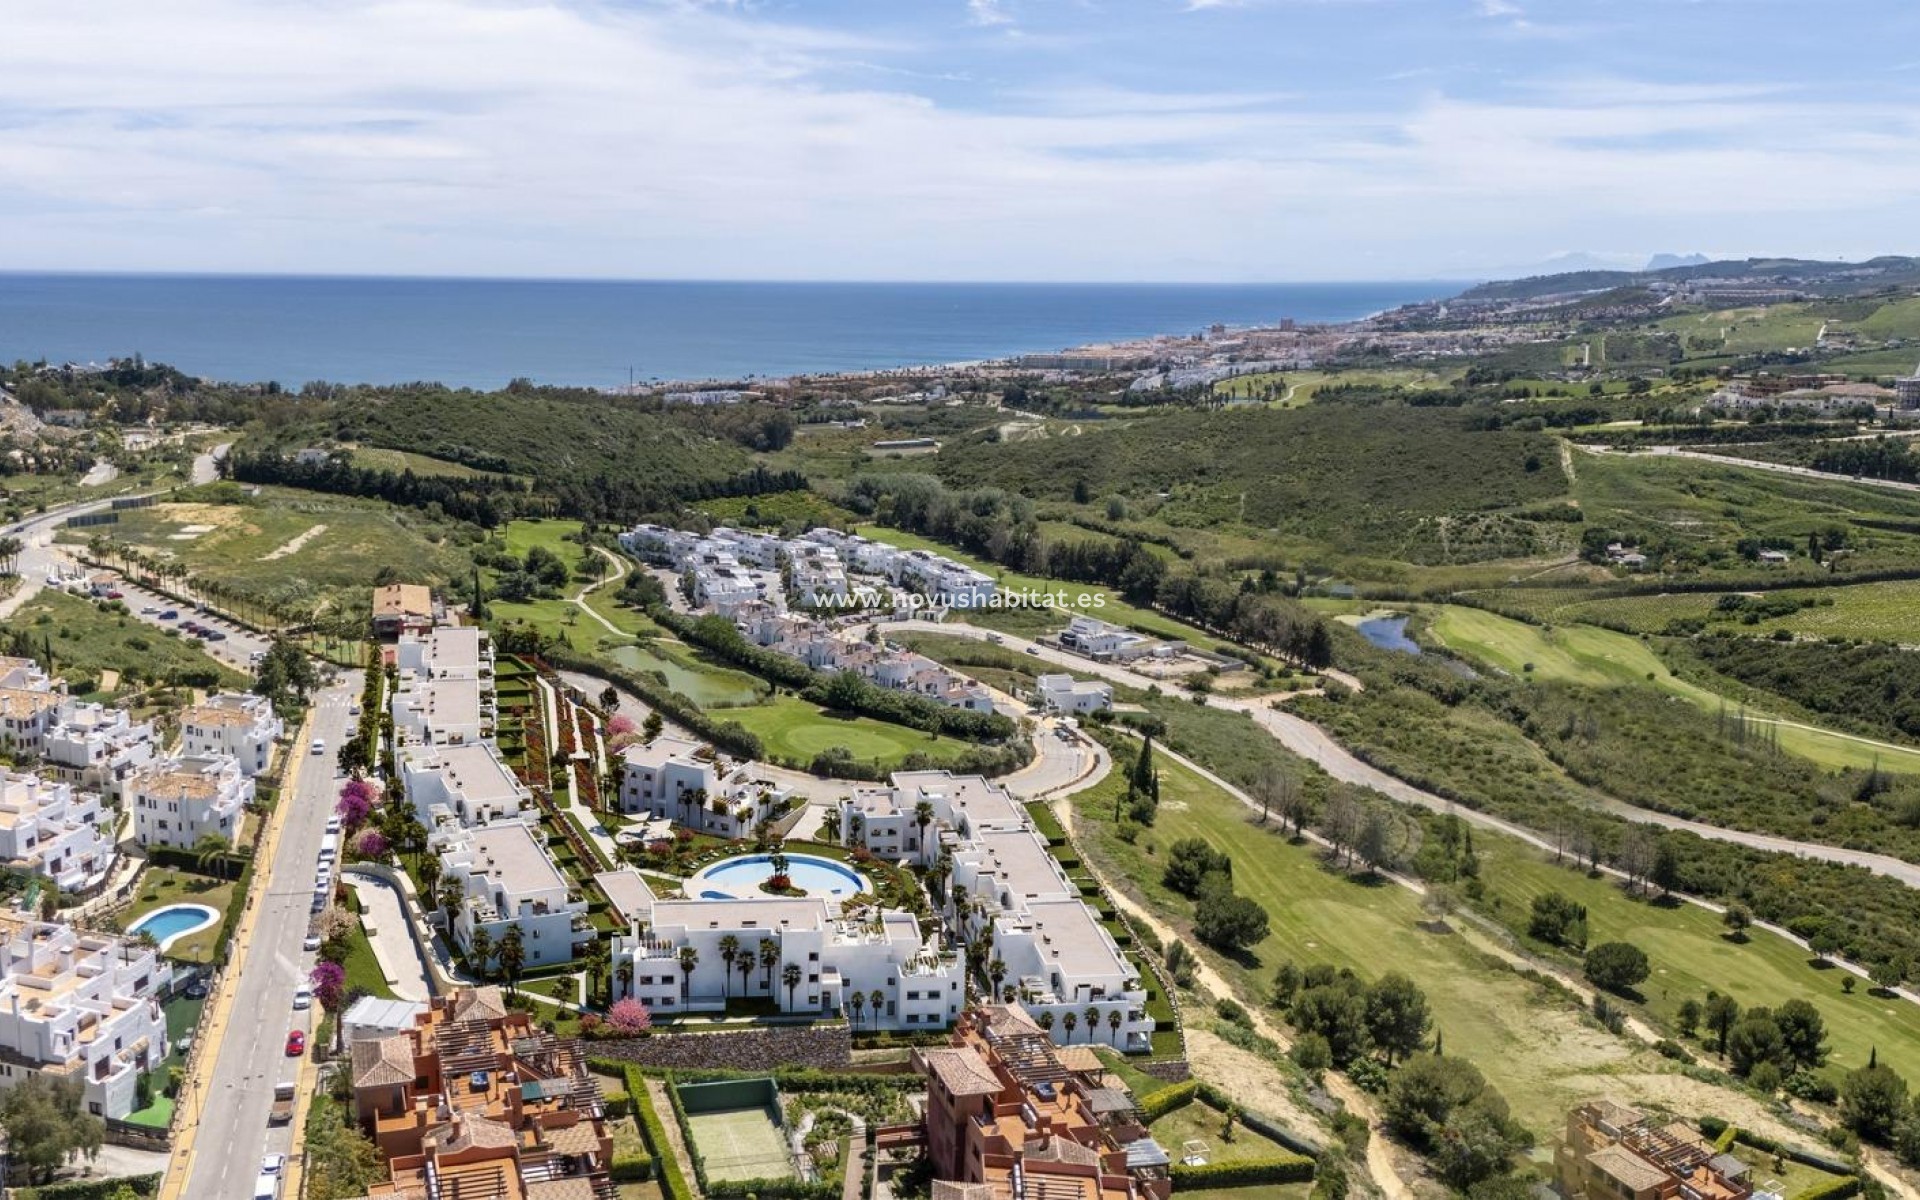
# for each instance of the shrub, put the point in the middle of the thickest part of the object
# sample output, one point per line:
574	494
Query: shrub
1281	1168
1158	1104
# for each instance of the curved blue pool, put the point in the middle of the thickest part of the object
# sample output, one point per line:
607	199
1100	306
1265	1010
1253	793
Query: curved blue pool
740	877
168	925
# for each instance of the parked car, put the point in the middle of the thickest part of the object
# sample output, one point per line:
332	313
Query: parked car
273	1164
149	610
170	615
319	745
296	1044
312	942
116	594
303	997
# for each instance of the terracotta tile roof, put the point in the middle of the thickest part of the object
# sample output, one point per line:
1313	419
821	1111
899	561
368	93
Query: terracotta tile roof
471	1130
1004	1019
479	1004
1634	1173
383	1062
947	1190
962	1071
578	1138
577	1188
1062	1150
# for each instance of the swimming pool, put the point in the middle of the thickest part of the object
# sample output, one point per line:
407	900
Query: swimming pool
168	925
741	876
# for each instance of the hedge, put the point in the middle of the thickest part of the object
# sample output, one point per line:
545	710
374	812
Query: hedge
91	1189
1725	1133
1158	1104
1832	1189
1261	1124
228	864
1281	1168
673	1181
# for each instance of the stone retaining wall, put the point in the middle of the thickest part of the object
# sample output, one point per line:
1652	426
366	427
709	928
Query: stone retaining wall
763	1049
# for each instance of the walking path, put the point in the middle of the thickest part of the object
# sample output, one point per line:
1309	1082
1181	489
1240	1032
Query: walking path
384	917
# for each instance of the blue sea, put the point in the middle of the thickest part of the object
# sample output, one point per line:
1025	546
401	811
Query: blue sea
481	333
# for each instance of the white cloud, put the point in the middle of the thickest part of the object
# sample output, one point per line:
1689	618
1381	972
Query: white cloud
988	12
556	137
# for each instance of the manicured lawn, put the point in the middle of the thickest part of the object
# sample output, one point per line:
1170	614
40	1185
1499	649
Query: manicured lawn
1202	1123
1531	1042
1594	657
363	969
1689	955
161	886
791	728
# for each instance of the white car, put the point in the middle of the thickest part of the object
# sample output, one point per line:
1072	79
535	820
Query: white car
273	1164
303	997
319	745
333	824
312	942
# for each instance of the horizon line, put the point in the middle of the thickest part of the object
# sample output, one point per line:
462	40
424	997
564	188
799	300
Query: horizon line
169	273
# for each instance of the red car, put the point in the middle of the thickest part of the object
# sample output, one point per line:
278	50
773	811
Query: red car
296	1044
116	595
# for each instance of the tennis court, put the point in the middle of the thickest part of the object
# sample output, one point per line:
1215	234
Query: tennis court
736	1129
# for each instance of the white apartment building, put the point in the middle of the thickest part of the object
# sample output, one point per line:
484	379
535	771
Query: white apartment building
1065	694
442	712
179	800
23	673
508	879
239	724
816	576
687	782
48	828
462	785
97	748
1057	954
27	716
1099	640
838	957
446	652
80	1006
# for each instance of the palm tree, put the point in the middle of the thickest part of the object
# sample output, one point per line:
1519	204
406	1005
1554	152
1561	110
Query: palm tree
479	950
830	824
746	972
1113	1027
769	959
859	1002
513	956
1070	1021
1046	1021
729	951
923	817
875	999
790	975
996	971
599	958
624	973
1093	1021
689	959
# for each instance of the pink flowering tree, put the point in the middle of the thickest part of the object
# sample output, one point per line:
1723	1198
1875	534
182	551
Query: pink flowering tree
629	1017
329	981
621	725
357	797
370	843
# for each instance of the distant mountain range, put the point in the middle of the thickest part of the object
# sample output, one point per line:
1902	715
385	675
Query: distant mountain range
1812	276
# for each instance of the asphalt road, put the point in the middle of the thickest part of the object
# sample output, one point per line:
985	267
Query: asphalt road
231	1131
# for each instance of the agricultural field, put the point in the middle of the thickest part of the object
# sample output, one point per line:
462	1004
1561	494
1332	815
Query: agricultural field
1531	1041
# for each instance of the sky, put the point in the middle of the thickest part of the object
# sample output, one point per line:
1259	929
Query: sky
1083	140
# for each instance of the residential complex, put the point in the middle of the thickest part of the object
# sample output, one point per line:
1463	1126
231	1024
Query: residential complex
240	725
179	800
79	1006
461	785
48	828
691	784
1064	694
475	1102
1615	1152
880	957
96	747
1006	1118
1004	882
506	880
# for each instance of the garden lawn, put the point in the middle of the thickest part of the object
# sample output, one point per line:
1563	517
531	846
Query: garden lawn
363	969
1529	1039
1688	953
1594	657
794	729
161	886
1199	1121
